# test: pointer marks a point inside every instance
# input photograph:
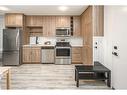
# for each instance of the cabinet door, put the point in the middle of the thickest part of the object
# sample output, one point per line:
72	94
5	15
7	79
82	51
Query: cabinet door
87	55
13	20
87	32
34	21
49	25
36	55
26	55
62	21
52	26
98	20
10	20
19	20
76	26
46	25
76	55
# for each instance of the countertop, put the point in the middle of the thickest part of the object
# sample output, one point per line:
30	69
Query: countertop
76	46
39	45
43	45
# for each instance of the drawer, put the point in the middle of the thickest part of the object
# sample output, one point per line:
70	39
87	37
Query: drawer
76	57
76	50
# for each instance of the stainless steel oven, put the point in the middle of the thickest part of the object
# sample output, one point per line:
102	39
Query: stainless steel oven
63	52
63	55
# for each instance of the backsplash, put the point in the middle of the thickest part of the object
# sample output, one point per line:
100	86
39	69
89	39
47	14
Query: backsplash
42	40
74	41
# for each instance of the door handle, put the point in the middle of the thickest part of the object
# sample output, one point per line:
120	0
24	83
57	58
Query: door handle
115	53
17	39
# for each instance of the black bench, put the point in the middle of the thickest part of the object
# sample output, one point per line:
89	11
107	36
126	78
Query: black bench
95	72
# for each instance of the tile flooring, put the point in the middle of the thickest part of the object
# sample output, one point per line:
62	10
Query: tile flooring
48	76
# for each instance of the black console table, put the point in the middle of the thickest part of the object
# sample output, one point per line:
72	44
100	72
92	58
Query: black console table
95	72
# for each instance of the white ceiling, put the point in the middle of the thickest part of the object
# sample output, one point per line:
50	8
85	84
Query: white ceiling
44	9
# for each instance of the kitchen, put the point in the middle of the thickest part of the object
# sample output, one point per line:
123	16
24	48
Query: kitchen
47	48
55	39
41	32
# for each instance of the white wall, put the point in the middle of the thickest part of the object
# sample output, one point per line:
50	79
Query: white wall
1	28
108	37
115	33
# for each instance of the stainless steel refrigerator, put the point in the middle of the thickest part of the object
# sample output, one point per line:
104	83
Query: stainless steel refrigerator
12	46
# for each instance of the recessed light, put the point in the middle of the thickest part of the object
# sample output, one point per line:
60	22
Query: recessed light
63	8
2	8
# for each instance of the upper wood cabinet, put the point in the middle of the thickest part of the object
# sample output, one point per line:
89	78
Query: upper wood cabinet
76	26
98	18
49	25
62	21
34	21
14	20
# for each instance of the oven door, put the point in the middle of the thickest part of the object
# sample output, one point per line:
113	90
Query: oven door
63	52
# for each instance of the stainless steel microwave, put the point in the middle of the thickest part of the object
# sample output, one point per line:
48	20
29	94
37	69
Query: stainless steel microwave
63	32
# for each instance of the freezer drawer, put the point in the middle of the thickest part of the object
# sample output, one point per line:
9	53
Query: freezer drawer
11	58
47	55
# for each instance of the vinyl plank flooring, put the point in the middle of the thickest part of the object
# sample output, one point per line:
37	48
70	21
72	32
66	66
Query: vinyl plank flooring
48	76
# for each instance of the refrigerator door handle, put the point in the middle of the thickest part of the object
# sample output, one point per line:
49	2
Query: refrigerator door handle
17	39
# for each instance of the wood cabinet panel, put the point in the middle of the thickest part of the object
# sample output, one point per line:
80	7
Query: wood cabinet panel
49	25
62	21
76	26
76	50
34	20
76	55
87	55
31	54
14	20
76	58
98	17
36	55
87	34
26	55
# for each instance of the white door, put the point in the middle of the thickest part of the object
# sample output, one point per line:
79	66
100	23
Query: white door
98	52
118	35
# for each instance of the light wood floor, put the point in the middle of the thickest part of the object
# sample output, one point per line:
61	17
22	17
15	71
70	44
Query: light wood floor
48	76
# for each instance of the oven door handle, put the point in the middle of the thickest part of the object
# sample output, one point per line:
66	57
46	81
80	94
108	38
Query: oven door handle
63	48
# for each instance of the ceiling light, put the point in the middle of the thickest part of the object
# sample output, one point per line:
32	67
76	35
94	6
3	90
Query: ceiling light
4	8
63	8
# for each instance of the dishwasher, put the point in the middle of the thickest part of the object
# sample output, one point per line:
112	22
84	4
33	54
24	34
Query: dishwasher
47	55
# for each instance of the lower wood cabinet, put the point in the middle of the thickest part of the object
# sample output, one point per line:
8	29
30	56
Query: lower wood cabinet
26	55
76	55
31	55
